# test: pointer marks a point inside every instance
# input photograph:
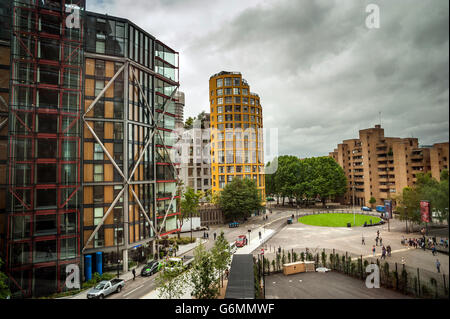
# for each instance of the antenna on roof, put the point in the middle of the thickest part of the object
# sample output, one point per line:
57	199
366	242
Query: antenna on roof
379	113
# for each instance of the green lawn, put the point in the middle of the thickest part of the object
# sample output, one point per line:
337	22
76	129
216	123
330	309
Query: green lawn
337	220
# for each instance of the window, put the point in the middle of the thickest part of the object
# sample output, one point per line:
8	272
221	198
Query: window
228	91
48	75
245	100
237	99
252	101
45	198
46	148
219	83
237	108
220	109
244	91
48	98
228	82
98	173
47	123
98	194
220	100
99	68
98	152
236	91
219	92
45	225
99	129
228	100
237	81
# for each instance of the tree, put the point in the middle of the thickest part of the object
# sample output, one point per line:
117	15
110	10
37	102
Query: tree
189	123
328	178
203	276
188	205
408	204
239	199
221	254
4	290
372	201
171	283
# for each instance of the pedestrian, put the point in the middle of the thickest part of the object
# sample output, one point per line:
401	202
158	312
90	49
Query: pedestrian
215	236
134	273
373	250
259	233
433	250
378	233
207	235
383	253
363	241
381	241
388	249
376	240
438	265
403	261
227	273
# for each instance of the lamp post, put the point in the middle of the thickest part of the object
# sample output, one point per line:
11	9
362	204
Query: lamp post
117	244
353	206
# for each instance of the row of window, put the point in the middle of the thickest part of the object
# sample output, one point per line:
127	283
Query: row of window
238	117
237	109
230	91
237	99
228	82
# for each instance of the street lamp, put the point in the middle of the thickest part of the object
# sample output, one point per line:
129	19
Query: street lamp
353	206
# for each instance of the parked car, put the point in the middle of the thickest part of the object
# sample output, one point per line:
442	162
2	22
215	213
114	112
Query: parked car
105	288
151	268
380	209
233	224
366	209
241	241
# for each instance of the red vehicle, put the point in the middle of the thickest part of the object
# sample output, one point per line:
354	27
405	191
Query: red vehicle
241	241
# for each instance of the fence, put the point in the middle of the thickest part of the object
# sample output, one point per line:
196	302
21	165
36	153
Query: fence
408	280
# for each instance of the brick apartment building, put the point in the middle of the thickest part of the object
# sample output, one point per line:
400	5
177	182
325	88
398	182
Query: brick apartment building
380	167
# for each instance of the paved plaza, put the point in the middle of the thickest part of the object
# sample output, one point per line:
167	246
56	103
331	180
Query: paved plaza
330	285
299	236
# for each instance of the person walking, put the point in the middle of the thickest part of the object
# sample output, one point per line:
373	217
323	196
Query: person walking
215	236
259	233
433	250
363	242
376	240
388	249
134	273
378	233
438	265
383	253
373	250
381	241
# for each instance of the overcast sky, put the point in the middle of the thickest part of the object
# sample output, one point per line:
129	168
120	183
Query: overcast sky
320	72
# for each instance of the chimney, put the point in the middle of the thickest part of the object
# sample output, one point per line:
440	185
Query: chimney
377	126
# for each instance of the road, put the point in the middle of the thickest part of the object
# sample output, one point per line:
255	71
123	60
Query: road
142	286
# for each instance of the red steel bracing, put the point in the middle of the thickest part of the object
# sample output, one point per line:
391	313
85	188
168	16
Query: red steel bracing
64	65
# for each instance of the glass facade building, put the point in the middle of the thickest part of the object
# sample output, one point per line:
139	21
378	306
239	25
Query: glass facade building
89	129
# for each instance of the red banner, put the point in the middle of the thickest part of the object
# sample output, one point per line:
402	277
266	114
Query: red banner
425	211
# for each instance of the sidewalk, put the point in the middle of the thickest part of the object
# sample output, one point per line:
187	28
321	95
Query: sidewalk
129	275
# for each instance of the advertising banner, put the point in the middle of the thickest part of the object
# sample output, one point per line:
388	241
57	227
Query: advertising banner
425	211
388	209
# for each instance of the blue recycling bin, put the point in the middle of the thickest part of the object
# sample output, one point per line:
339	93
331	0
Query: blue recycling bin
99	262
88	267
